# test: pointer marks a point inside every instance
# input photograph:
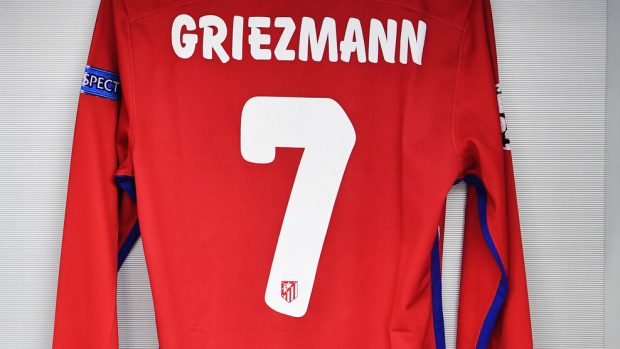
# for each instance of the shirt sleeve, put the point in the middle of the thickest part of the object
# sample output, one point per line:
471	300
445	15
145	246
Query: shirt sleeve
493	304
100	217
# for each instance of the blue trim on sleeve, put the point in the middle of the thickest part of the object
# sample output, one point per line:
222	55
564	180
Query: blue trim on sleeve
502	288
128	184
101	83
438	323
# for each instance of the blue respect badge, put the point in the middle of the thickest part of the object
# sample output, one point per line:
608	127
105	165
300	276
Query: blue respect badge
101	83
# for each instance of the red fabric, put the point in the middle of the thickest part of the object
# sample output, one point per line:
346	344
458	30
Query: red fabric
210	220
479	142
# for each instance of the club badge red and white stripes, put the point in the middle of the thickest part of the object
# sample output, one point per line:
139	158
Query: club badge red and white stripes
289	290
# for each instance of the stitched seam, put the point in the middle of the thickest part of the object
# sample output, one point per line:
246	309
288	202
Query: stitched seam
133	110
456	89
154	12
435	18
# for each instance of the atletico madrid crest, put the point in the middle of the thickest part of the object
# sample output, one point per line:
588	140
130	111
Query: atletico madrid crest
289	290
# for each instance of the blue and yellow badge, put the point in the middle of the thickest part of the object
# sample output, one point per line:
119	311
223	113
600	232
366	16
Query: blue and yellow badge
101	83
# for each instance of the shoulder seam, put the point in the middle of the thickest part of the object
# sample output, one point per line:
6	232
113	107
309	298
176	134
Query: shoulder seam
438	19
154	12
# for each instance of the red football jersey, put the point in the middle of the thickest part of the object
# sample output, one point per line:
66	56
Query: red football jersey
288	164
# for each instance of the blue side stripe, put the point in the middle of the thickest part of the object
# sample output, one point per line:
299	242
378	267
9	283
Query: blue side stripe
128	184
502	288
438	323
129	243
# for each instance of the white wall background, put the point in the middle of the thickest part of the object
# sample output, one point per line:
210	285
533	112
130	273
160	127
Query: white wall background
612	199
552	62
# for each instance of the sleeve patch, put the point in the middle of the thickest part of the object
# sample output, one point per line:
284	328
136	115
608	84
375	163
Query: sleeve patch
101	83
502	118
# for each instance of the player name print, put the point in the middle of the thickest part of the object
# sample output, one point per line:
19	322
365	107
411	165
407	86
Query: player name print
287	39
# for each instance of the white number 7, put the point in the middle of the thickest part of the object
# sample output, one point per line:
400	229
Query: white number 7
323	129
